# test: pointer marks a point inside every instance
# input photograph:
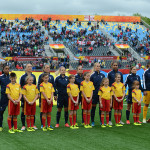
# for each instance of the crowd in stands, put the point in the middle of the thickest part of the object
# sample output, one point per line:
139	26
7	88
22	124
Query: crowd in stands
82	40
38	63
21	38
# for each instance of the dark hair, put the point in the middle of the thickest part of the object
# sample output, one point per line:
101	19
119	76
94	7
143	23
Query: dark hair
113	62
102	83
44	75
85	73
12	75
78	67
5	65
71	76
131	68
135	83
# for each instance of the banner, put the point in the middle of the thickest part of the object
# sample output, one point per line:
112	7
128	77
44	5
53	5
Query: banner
89	18
72	17
57	46
122	46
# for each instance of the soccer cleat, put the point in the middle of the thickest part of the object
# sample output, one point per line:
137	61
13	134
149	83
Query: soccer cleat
1	129
103	126
139	122
50	129
75	127
89	126
86	126
120	125
144	120
148	121
11	131
41	126
16	130
76	124
127	122
135	124
23	128
51	126
30	129
108	125
71	127
57	126
121	122
92	124
44	129
35	128
117	125
67	125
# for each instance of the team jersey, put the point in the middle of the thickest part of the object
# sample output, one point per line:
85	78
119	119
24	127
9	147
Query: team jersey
30	91
87	88
105	93
14	90
73	89
137	94
118	89
47	88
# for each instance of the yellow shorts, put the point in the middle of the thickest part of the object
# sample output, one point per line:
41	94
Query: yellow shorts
146	98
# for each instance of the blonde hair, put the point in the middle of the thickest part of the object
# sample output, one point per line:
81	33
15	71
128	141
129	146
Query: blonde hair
27	77
93	69
58	71
102	83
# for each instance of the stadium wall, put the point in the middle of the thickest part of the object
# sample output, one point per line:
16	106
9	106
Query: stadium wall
72	17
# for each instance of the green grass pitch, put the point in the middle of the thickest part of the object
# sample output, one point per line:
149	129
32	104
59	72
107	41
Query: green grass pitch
128	137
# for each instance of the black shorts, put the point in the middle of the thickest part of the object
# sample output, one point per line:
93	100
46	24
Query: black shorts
129	98
62	101
95	99
3	102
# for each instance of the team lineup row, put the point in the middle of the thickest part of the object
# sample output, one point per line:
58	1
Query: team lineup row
89	89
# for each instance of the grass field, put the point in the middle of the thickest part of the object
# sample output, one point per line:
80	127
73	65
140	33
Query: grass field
128	137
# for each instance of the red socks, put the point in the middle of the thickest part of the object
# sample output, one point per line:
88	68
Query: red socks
116	117
28	121
107	118
70	119
102	118
74	119
48	120
43	120
15	123
9	122
32	121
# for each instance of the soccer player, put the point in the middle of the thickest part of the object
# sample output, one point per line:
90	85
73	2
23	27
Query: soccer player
96	78
78	80
61	83
105	97
118	89
129	81
30	95
4	80
47	92
87	88
136	99
111	77
146	86
46	69
13	91
73	98
28	71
